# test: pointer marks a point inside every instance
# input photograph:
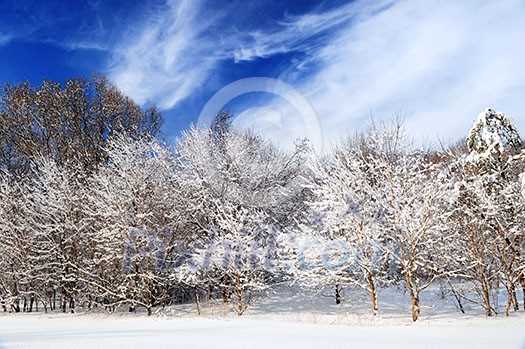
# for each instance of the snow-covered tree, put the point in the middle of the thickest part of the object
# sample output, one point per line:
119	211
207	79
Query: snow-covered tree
495	157
491	140
346	220
380	202
61	230
240	190
134	197
486	216
508	222
16	280
412	204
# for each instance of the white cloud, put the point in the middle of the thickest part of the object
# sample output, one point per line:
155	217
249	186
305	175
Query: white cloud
176	52
438	63
4	39
165	62
292	33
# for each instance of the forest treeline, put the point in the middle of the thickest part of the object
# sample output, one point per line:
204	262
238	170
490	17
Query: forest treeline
97	212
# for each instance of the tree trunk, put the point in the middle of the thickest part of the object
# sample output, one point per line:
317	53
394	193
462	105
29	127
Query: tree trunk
240	299
149	299
509	301
16	305
64	303
415	308
225	290
515	299
373	293
414	296
337	294
196	297
485	291
486	297
72	303
31	302
210	292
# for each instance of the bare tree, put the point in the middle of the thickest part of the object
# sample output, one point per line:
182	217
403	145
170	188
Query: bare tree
70	122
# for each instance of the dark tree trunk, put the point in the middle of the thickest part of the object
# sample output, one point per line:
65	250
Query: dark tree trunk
31	302
225	294
63	304
196	297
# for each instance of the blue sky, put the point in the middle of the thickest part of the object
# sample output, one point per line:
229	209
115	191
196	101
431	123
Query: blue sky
436	63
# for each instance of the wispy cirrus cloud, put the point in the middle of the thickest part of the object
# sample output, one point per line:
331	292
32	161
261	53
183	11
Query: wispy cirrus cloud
298	32
70	26
437	63
165	61
181	47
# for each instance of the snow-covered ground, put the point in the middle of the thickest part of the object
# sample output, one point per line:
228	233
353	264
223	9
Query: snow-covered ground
29	331
300	321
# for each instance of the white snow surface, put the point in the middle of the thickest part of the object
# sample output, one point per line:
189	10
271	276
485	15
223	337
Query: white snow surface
299	321
92	332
